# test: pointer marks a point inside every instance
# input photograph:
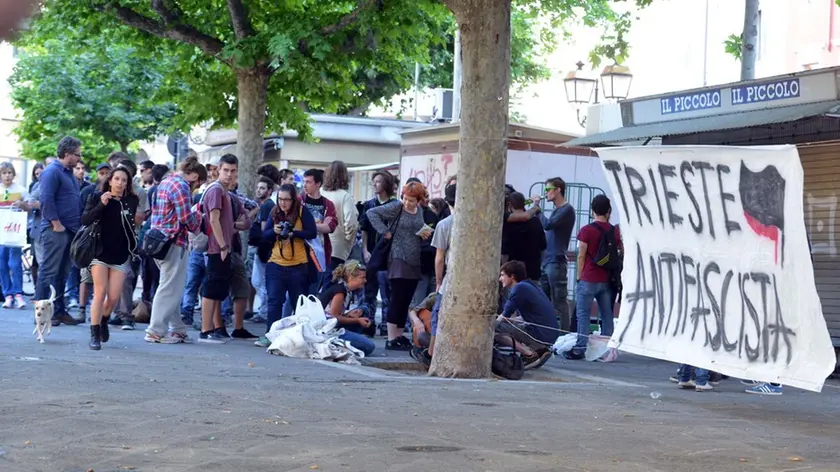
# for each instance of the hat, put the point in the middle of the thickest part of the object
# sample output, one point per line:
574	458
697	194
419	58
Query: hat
102	166
449	194
214	161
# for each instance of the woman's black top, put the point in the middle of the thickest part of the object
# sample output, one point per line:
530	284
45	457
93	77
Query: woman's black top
116	220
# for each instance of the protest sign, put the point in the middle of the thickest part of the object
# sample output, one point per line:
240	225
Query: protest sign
13	228
717	269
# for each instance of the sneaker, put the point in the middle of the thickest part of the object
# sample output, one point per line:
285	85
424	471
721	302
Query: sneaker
127	324
187	320
152	338
115	320
211	337
706	387
765	389
575	355
714	383
421	355
9	301
383	329
223	332
674	379
243	333
688	384
73	303
537	360
258	319
176	338
751	383
19	301
262	342
400	343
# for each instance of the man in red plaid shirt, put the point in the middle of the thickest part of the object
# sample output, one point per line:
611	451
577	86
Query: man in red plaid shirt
171	215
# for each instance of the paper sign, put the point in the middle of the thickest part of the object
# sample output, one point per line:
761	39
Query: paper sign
717	270
13	228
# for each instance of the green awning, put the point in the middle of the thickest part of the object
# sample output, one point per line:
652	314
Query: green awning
747	119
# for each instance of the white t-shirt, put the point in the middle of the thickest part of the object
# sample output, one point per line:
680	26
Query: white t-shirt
442	239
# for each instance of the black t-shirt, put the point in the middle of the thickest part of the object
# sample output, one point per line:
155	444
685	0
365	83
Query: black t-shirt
427	252
327	295
525	242
316	206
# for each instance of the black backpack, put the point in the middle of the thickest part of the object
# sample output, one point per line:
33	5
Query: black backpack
507	363
608	256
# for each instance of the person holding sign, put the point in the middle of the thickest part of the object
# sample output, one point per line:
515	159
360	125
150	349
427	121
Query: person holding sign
12	199
598	243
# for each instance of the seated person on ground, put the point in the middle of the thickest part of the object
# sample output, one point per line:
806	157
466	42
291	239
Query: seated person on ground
338	298
540	329
421	320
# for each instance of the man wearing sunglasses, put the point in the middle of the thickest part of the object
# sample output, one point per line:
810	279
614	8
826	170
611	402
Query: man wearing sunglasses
558	231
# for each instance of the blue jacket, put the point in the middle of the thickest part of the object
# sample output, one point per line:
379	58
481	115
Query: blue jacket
60	199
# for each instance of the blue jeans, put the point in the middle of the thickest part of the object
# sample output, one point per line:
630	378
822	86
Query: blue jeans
195	277
554	282
55	267
701	375
435	311
74	279
11	271
586	293
279	281
359	341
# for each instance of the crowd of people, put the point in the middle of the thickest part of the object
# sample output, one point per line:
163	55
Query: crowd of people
195	240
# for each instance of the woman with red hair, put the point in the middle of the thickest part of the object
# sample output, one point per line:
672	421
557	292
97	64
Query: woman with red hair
402	222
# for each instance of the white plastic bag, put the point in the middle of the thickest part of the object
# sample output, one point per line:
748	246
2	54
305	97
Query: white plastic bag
564	343
310	307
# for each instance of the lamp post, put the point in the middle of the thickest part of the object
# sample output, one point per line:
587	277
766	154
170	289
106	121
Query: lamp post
615	80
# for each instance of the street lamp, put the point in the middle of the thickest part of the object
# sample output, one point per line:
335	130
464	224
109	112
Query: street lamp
615	80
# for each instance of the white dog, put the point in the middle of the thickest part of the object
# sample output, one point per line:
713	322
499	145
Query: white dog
43	315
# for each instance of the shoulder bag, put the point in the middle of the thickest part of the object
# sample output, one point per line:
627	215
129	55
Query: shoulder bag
379	256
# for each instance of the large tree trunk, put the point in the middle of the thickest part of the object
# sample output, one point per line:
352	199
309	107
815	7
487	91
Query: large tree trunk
252	88
465	336
749	40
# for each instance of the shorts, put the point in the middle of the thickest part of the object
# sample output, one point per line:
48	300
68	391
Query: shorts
124	267
218	277
517	331
240	282
85	276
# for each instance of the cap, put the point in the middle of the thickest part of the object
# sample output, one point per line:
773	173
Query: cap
214	161
449	194
102	166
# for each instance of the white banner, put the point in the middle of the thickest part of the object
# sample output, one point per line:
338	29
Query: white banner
717	270
13	228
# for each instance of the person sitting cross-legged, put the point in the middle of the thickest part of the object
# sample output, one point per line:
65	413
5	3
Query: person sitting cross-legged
540	328
338	300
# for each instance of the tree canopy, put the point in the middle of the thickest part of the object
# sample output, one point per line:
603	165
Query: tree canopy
104	93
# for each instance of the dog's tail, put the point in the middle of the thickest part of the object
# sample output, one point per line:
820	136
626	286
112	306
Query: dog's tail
52	294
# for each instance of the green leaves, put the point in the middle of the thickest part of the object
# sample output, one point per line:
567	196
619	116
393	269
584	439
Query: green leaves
104	93
733	46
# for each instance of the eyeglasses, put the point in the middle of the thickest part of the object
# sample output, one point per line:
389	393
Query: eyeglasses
284	199
549	188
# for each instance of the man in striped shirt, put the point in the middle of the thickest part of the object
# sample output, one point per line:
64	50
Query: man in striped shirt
171	215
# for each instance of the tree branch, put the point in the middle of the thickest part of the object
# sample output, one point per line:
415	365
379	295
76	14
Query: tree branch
176	32
353	16
239	18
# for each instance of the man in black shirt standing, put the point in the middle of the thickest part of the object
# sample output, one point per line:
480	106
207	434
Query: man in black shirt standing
384	186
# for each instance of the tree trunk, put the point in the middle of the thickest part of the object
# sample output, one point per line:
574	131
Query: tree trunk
252	89
465	336
124	147
749	40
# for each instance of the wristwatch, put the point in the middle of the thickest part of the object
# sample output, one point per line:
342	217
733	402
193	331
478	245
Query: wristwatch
224	249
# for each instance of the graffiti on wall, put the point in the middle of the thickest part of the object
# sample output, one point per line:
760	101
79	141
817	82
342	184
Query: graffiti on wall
433	171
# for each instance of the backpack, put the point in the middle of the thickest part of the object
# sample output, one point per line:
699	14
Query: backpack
607	256
507	363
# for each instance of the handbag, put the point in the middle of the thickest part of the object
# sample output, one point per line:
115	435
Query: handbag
507	363
156	244
86	245
379	256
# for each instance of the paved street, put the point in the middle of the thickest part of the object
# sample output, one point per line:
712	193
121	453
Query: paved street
135	406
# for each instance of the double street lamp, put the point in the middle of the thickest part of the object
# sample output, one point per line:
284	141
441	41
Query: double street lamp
615	81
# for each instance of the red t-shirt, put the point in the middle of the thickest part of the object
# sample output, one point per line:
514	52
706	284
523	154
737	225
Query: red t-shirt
590	235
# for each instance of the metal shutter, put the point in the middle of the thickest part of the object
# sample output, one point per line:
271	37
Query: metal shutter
821	164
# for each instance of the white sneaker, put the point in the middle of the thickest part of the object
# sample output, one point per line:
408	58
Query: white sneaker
73	303
9	301
20	302
689	384
703	388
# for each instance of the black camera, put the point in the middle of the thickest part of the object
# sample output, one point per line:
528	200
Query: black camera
285	230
